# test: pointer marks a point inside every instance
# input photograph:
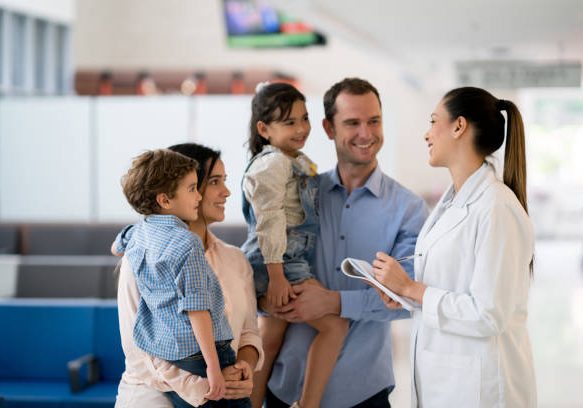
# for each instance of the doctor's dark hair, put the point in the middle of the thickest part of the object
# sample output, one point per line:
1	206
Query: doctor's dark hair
271	103
483	111
205	156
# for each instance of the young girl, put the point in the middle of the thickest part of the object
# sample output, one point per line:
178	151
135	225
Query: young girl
279	205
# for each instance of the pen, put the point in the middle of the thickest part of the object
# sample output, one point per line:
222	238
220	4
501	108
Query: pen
406	258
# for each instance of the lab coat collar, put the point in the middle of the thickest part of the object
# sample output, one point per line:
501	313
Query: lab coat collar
474	186
471	190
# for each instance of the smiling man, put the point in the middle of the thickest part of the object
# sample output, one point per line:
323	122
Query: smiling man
362	211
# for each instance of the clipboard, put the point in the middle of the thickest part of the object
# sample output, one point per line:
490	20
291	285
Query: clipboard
359	269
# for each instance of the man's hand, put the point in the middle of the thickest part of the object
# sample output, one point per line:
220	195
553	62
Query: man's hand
239	380
312	302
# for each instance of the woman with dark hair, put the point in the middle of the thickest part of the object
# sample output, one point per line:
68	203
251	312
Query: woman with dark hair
473	263
148	381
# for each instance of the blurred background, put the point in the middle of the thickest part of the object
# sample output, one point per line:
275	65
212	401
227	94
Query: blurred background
86	85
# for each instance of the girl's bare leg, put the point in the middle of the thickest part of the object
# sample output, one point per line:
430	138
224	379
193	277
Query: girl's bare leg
322	357
272	331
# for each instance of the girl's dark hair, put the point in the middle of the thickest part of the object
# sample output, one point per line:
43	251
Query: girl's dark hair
272	103
202	155
483	111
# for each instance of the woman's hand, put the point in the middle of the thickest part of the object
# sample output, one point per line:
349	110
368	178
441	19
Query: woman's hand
239	380
217	385
279	290
391	274
389	303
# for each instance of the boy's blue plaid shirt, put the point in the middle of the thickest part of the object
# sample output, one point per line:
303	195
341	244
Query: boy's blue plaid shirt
173	278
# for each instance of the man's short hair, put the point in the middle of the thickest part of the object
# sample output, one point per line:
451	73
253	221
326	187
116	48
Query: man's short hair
154	172
352	86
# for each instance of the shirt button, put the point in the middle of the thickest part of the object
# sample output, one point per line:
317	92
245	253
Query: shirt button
347	205
342	237
337	269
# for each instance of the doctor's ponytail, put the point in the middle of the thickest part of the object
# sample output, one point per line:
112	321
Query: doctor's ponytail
514	155
484	112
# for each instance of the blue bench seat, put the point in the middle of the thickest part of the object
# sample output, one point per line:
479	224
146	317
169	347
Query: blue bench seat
39	337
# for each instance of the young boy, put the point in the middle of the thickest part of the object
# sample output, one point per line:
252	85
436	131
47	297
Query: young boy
180	317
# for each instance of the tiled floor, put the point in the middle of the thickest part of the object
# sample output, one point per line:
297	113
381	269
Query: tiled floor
555	323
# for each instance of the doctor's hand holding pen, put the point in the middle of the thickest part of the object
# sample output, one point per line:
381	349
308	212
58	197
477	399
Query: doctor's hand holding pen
389	272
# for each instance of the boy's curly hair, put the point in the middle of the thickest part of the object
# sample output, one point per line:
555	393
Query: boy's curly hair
154	172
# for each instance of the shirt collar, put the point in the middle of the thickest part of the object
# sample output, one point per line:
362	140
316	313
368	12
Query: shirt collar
474	185
373	183
164	219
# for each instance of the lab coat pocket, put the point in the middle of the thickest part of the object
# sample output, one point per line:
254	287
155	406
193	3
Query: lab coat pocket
449	380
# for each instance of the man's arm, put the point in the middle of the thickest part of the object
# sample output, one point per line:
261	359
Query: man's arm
366	304
314	301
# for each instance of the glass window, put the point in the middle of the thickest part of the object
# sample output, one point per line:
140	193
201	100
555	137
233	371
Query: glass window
554	134
18	50
2	47
40	54
61	55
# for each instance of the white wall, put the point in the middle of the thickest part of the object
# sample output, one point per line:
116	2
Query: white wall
190	34
66	164
123	128
45	152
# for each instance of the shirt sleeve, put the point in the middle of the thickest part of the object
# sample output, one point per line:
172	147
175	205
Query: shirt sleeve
192	282
250	331
122	239
406	240
265	187
168	377
503	252
366	304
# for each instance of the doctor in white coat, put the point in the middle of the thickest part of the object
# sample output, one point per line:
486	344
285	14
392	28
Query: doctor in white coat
470	345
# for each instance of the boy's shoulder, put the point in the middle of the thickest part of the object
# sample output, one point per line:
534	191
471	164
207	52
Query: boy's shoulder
181	239
165	239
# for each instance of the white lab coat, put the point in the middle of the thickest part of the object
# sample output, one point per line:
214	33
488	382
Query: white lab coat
469	344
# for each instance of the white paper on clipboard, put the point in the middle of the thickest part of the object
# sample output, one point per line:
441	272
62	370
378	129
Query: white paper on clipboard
359	269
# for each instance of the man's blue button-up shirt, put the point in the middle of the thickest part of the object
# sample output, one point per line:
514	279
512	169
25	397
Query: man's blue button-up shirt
380	216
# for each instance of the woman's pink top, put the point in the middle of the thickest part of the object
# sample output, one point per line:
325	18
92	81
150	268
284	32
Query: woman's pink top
236	279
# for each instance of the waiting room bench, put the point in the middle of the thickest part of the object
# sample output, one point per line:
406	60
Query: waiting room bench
69	260
44	345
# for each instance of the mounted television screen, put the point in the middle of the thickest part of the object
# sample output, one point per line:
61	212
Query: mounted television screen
255	24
